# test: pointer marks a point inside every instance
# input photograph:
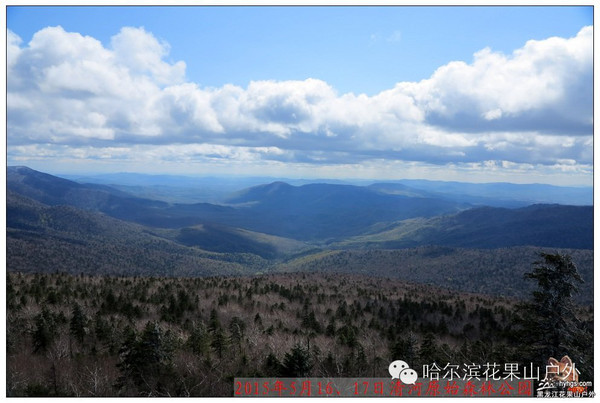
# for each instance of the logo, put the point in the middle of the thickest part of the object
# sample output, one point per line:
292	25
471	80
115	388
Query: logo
563	370
562	379
400	370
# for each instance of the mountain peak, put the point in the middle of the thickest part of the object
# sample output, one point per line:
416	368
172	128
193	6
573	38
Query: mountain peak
260	192
20	169
276	186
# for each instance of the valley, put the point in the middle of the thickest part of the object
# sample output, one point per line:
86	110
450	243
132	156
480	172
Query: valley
313	279
57	225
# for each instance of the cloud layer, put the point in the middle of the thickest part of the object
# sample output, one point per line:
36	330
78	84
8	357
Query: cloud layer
68	92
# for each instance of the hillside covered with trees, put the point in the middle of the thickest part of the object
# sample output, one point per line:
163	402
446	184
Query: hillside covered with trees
148	336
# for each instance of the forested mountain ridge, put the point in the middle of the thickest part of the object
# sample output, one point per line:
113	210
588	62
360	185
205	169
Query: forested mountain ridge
489	271
72	227
48	239
488	227
502	194
308	213
195	189
325	211
380	215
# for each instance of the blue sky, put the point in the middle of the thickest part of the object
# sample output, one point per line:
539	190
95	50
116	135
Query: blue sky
355	49
277	90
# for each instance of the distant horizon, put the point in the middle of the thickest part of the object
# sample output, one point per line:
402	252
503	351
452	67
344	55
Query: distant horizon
279	178
467	178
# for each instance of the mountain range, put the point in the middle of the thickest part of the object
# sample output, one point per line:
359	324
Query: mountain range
488	227
314	212
207	189
383	215
58	224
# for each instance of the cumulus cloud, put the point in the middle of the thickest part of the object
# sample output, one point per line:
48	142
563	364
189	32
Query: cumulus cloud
545	86
141	52
69	91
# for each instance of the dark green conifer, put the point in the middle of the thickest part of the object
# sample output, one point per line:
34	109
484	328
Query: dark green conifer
296	363
549	323
44	332
78	323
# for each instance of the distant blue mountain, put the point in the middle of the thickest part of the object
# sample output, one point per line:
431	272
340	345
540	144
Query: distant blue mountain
505	194
314	212
323	213
190	189
545	225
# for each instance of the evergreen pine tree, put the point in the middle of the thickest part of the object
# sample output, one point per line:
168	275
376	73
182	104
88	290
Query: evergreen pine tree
213	322
199	340
237	328
330	329
145	361
128	360
101	328
218	342
405	348
272	366
297	362
429	352
78	323
44	332
549	324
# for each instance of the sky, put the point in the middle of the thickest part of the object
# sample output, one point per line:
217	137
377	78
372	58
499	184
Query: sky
481	94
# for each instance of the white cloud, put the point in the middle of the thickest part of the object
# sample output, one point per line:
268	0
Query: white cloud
531	107
545	81
149	154
189	109
493	114
13	50
141	52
